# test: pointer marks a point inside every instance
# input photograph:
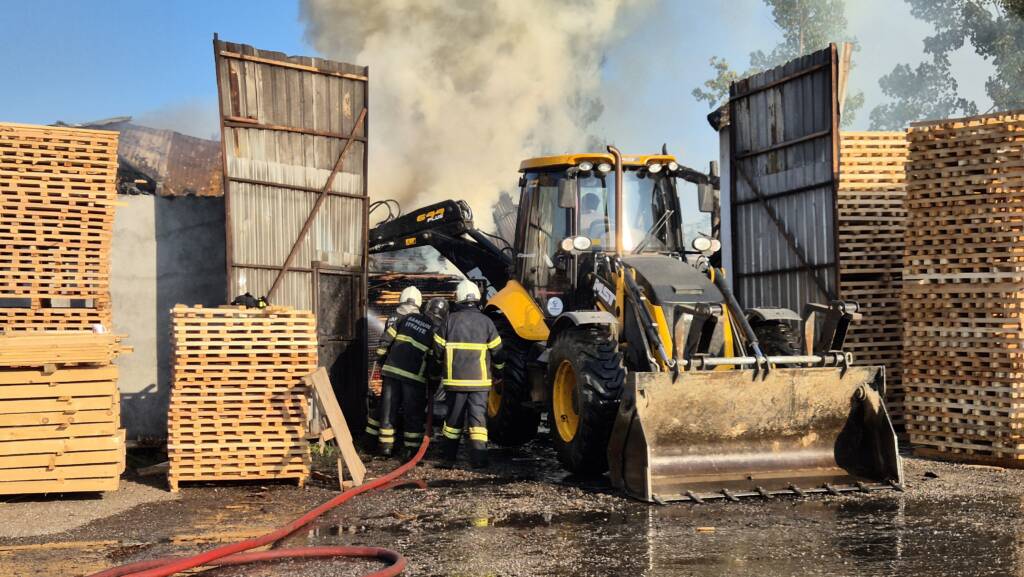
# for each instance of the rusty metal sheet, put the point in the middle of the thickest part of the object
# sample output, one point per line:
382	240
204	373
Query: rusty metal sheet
783	172
176	164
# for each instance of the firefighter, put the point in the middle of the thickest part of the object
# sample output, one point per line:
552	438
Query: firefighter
437	309
468	350
403	352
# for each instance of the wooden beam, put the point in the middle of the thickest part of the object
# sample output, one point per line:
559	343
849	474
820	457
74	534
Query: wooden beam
316	207
244	122
321	385
844	73
295	187
785	144
775	83
292	65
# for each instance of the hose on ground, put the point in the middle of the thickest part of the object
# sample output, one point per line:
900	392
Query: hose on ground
235	553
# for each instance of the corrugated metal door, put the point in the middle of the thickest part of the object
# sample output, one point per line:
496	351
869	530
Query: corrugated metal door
783	166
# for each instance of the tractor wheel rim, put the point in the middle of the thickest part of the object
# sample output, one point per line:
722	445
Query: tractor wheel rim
567	420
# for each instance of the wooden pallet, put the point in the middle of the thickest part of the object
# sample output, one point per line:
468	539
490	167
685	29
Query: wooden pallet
238	406
60	413
44	318
65	348
963	298
872	189
57	200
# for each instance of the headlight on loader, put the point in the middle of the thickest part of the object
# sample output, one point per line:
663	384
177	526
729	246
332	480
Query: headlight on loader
575	243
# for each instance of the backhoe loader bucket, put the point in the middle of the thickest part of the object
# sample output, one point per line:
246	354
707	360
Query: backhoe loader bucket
737	433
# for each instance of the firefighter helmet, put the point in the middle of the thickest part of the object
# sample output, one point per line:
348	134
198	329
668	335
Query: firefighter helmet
411	294
467	291
437	310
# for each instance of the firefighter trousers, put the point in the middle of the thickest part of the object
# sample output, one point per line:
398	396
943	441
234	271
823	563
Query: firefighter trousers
466	410
410	398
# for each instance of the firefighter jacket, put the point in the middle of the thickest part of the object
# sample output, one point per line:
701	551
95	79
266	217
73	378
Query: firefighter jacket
466	347
405	347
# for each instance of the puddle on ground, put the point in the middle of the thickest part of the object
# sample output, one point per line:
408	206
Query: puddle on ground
788	537
893	534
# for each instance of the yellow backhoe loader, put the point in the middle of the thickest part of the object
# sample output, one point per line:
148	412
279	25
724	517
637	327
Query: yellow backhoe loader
619	327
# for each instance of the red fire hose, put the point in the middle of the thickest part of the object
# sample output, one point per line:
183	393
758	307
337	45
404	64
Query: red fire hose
233	554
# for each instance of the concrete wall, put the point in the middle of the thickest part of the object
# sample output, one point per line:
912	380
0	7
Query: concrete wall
166	250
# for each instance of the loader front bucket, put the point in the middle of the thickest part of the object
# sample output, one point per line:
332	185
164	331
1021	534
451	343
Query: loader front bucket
737	433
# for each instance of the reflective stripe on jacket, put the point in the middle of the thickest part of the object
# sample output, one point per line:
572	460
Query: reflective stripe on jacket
406	345
467	347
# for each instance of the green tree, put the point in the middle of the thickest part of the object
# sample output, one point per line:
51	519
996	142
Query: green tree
806	25
993	28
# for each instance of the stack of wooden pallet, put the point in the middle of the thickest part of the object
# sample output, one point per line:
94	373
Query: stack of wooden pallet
57	198
872	189
60	426
963	300
239	406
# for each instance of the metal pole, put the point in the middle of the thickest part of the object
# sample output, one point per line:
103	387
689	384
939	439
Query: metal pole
618	198
830	359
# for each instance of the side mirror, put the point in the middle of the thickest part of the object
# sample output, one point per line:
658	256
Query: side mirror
707	197
567	193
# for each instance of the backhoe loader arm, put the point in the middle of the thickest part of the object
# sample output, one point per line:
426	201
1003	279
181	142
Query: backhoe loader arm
448	227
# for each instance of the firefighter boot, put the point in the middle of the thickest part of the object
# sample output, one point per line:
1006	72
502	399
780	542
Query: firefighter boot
478	458
449	452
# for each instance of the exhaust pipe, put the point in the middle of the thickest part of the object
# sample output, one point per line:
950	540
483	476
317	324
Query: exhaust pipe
618	198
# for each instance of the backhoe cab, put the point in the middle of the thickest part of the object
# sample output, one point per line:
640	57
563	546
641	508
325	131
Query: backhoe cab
568	219
618	325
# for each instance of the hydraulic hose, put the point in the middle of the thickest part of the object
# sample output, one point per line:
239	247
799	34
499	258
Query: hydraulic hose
646	319
234	553
737	313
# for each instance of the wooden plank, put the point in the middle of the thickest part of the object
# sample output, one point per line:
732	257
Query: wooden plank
321	384
113	456
289	64
60	486
61	445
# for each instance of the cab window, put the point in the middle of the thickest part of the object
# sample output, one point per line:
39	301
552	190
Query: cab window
597	210
547	224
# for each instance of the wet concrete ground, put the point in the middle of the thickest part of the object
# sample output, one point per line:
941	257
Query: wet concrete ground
524	517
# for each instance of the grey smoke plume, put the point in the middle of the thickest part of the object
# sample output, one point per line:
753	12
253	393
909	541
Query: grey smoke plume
461	91
192	117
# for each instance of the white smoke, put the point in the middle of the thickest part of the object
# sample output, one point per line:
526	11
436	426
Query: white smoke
460	92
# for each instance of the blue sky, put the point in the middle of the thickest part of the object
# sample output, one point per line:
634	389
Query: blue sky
90	59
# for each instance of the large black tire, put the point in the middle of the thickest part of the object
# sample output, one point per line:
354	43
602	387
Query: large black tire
510	421
776	338
590	357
